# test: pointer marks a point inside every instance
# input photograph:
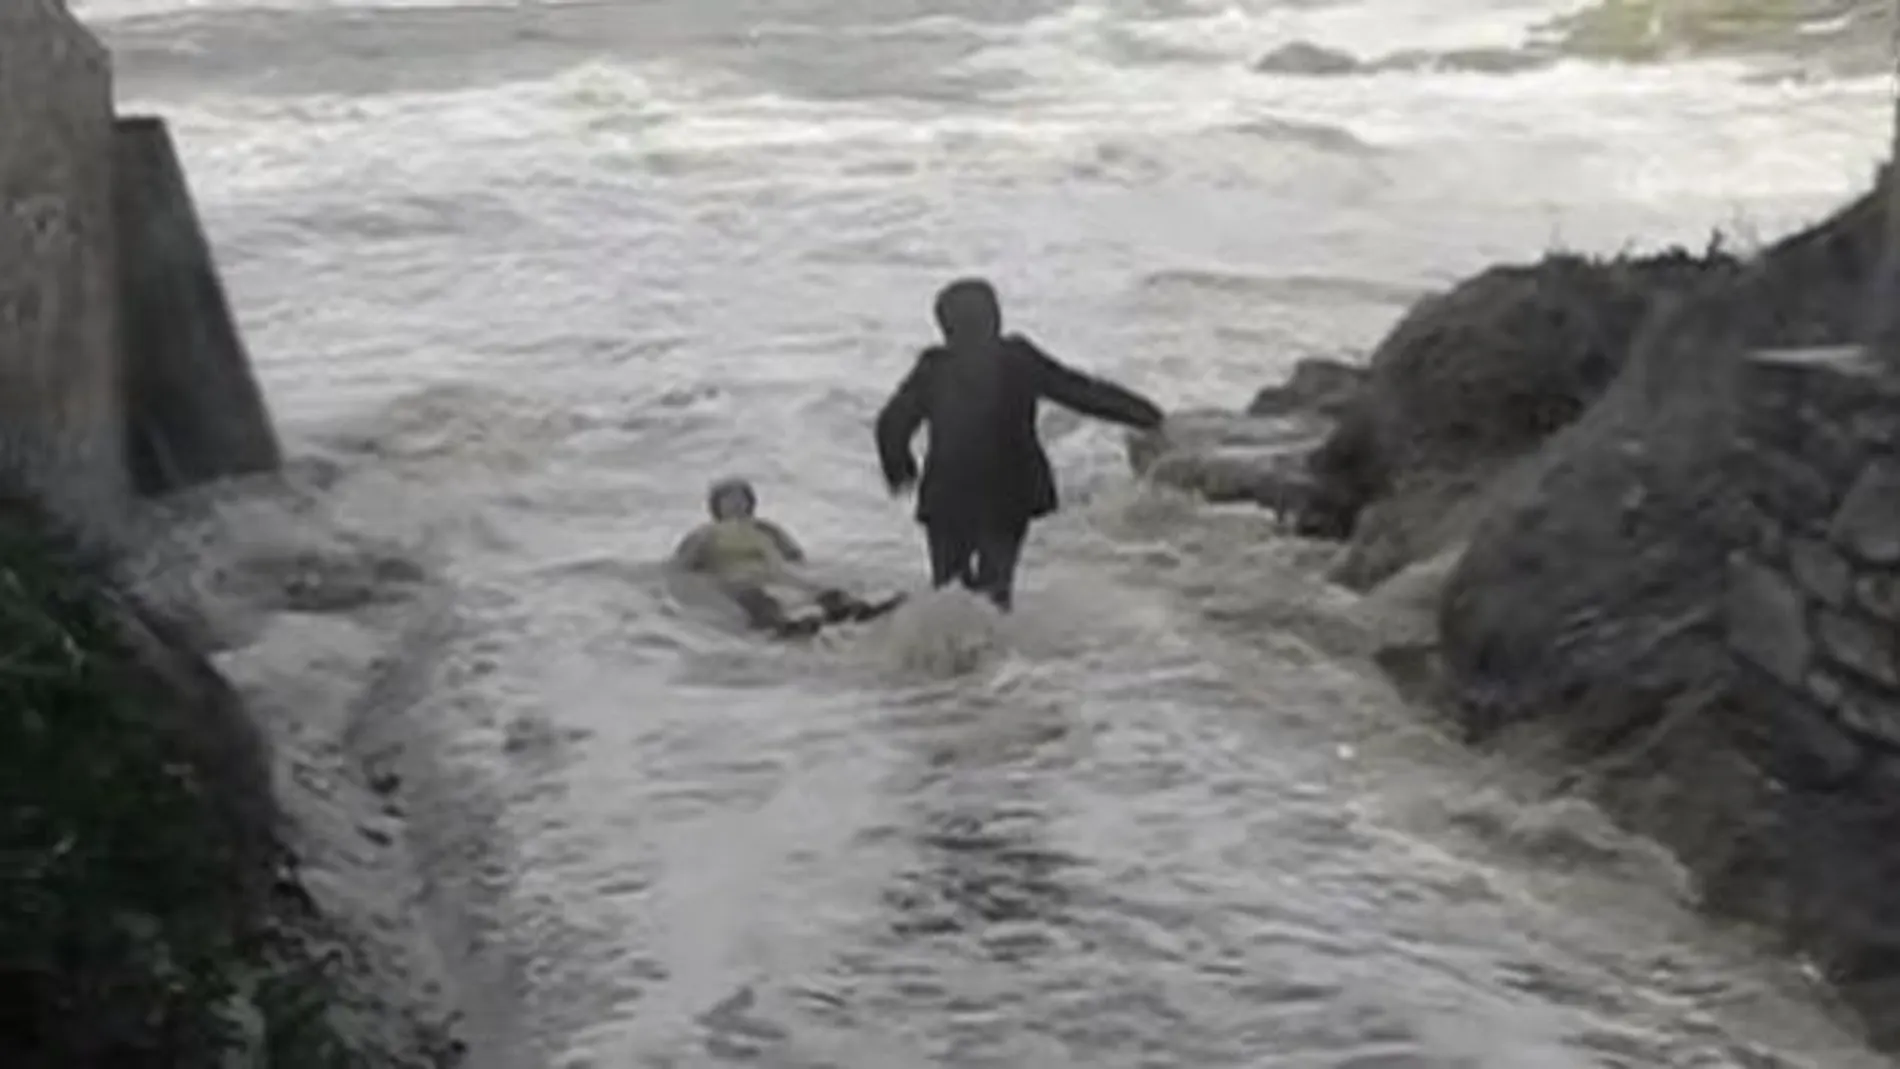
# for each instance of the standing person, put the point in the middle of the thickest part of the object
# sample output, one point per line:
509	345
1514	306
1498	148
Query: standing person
985	477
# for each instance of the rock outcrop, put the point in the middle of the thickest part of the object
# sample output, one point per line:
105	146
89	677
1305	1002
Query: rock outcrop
1604	560
1640	520
1305	59
1400	458
1259	455
1472	381
1678	599
1323	387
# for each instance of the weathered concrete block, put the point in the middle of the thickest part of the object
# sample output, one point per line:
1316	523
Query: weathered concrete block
1868	522
1865	647
1767	621
1820	570
60	398
199	413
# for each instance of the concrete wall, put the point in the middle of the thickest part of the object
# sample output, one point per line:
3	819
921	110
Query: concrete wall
1814	600
194	410
121	369
60	396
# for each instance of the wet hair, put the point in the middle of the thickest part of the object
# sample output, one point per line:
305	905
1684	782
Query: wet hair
967	309
727	488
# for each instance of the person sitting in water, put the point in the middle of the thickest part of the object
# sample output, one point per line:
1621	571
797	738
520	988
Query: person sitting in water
748	556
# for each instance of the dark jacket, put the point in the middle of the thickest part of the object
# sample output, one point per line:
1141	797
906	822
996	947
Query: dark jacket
985	463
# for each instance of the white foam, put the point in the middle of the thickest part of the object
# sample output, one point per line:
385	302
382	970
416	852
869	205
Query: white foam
1647	134
941	634
104	10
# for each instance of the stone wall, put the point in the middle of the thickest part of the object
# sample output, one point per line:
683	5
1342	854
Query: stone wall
60	399
1814	597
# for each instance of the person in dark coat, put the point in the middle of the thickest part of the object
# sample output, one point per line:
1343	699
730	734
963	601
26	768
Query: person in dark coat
985	477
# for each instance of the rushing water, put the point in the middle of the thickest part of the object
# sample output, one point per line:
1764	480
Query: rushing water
527	275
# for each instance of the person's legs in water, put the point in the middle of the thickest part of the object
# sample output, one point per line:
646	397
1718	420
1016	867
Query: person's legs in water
999	549
764	612
951	549
840	607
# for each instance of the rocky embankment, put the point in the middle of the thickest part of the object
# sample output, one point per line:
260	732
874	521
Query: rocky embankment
197	866
155	909
1797	36
1647	536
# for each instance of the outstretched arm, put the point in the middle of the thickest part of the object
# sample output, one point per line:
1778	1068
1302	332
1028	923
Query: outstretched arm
786	543
897	423
1087	394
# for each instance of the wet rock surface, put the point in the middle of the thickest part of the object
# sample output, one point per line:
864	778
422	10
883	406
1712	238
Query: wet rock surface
1472	381
1671	581
1649	501
1259	455
298	608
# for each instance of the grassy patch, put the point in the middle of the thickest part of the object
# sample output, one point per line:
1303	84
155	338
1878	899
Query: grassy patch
131	908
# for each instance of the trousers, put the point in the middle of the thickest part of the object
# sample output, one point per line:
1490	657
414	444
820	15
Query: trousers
982	556
767	613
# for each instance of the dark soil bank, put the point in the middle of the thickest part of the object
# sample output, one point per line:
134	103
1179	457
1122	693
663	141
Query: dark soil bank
1570	433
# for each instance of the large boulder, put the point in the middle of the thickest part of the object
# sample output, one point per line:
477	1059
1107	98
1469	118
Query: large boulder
1226	457
1258	455
1473	380
1307	58
1584	621
1602	562
1317	386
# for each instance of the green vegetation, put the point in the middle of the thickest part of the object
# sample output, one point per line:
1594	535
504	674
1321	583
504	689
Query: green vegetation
1645	30
132	908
